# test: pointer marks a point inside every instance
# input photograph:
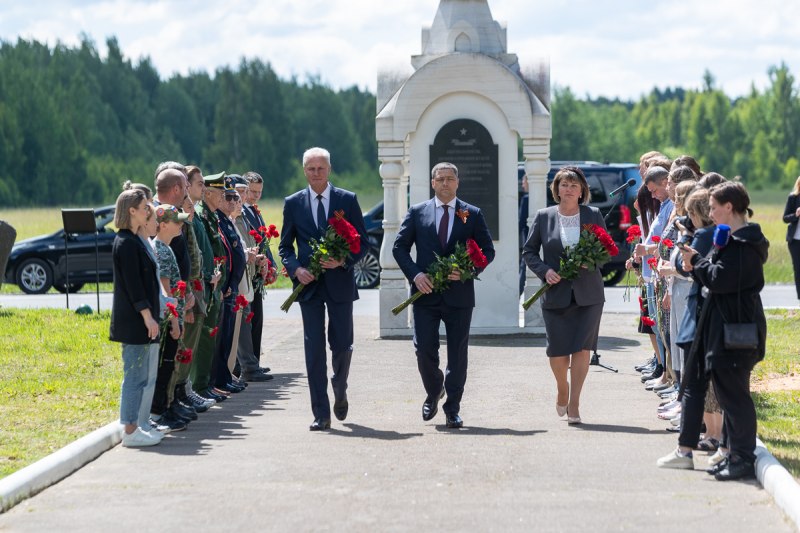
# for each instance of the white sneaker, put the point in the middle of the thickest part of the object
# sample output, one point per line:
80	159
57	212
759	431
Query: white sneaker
677	460
717	458
139	439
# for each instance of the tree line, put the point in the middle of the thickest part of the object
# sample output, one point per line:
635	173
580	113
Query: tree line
756	136
74	126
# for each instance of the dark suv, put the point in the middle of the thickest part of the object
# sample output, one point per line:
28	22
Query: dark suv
602	177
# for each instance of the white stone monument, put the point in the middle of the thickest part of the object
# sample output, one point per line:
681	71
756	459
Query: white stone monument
466	102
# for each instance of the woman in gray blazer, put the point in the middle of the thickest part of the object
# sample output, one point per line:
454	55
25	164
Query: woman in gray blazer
571	308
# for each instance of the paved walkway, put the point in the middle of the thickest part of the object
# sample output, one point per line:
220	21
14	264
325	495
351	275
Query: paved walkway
251	463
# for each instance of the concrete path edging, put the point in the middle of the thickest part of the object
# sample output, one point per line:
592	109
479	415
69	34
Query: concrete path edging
58	465
778	483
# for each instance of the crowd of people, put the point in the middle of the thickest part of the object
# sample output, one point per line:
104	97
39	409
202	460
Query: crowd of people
189	266
699	261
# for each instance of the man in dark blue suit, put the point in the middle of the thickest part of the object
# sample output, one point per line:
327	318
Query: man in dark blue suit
236	260
435	227
305	217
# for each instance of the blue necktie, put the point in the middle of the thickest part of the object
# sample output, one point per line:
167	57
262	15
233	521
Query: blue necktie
322	222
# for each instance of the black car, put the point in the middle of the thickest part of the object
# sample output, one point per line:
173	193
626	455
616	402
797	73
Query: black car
39	263
602	178
368	270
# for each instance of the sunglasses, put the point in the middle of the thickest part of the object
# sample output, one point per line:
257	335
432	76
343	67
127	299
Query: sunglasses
231	197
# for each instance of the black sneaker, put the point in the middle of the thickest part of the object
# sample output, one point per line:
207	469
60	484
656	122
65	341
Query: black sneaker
170	422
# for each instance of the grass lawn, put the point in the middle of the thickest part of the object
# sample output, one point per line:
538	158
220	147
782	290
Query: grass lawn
777	378
60	379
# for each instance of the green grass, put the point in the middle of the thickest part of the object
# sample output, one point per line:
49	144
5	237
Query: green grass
778	411
60	379
778	416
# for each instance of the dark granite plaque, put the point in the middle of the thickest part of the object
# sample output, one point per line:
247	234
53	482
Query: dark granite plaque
469	146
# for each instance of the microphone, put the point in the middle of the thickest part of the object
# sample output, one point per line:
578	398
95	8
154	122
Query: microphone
630	183
721	235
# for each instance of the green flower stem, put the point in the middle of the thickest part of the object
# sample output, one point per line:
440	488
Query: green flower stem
529	302
292	298
408	301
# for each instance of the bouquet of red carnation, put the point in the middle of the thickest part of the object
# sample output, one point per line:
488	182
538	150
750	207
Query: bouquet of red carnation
266	275
468	260
340	240
594	248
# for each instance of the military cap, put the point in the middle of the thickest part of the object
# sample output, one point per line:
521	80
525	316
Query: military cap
216	181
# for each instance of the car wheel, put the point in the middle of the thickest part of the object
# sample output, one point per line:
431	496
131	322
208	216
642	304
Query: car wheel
73	287
367	271
612	278
34	276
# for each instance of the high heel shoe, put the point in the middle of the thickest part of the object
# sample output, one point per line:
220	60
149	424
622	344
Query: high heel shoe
573	420
561	410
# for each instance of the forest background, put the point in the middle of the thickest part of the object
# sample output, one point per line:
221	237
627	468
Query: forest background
75	125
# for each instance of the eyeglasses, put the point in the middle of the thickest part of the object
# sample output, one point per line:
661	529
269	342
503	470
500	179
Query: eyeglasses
231	197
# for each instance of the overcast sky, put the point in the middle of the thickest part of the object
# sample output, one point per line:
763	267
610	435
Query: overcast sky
613	48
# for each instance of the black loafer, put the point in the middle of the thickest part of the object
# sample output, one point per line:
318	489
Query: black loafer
340	409
431	406
320	424
454	422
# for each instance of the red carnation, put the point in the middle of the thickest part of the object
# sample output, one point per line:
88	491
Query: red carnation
262	229
213	332
656	239
668	243
256	236
249	317
241	303
476	254
634	234
197	285
653	262
273	231
346	230
172	309
179	289
647	321
184	356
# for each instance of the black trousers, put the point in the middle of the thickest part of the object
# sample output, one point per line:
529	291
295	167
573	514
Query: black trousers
165	369
794	251
426	342
220	375
693	405
732	386
257	308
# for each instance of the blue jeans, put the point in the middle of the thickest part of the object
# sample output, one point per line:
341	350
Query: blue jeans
139	366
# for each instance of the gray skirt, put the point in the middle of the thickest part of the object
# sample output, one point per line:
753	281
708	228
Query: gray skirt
572	329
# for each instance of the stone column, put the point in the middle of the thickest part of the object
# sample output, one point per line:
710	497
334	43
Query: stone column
537	164
393	288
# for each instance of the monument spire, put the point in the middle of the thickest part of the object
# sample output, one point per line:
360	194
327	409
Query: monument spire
464	26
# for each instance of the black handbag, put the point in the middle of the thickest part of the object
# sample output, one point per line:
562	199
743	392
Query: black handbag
739	335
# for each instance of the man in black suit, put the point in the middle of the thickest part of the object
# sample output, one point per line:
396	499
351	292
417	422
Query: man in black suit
435	227
305	217
252	215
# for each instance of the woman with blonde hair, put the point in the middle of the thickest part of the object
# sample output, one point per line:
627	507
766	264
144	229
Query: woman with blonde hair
134	314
